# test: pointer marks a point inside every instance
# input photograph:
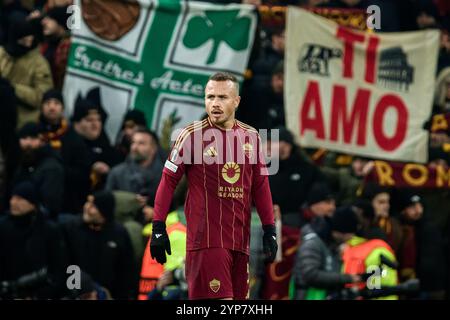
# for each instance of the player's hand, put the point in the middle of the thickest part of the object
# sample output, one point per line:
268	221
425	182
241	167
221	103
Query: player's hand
160	242
270	245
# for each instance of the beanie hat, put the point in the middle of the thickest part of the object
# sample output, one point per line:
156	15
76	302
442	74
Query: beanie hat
406	198
20	28
30	129
344	220
136	116
283	135
366	207
53	94
60	15
92	102
371	190
82	108
27	191
319	192
105	203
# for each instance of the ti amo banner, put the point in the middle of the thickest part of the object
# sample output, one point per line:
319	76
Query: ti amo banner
409	175
359	93
155	56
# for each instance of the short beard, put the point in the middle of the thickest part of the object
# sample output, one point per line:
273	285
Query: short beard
138	158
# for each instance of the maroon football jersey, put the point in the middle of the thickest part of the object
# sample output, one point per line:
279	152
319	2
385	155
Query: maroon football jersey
226	175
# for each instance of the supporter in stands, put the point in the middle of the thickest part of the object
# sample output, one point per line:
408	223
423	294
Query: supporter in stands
421	253
295	177
368	226
141	172
270	55
345	181
88	120
133	120
26	69
380	198
63	139
56	45
30	244
319	202
263	108
101	247
41	165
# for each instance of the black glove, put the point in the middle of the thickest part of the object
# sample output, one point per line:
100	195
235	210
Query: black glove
160	242
270	245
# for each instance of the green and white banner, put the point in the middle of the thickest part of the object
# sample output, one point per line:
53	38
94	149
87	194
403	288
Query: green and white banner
155	56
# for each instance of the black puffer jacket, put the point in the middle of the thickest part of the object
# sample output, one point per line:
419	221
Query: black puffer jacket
106	255
76	161
47	174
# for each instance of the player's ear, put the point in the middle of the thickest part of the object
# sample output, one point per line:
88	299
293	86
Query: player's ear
238	100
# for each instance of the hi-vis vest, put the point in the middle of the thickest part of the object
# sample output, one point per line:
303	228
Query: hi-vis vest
151	269
354	257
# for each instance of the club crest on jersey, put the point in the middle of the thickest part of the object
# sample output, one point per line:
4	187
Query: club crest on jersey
231	172
248	150
214	285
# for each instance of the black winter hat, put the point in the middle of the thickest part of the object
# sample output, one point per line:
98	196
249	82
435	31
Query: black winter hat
105	203
344	220
283	135
406	198
137	116
82	109
20	28
92	102
27	191
371	190
53	94
30	129
366	207
60	15
319	192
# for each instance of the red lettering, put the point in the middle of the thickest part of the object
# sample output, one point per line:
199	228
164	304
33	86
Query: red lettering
312	100
349	38
371	55
339	115
390	143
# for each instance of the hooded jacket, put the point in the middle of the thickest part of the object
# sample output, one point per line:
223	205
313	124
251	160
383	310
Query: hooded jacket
30	76
47	173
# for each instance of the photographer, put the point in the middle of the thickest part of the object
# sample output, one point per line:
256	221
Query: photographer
32	252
